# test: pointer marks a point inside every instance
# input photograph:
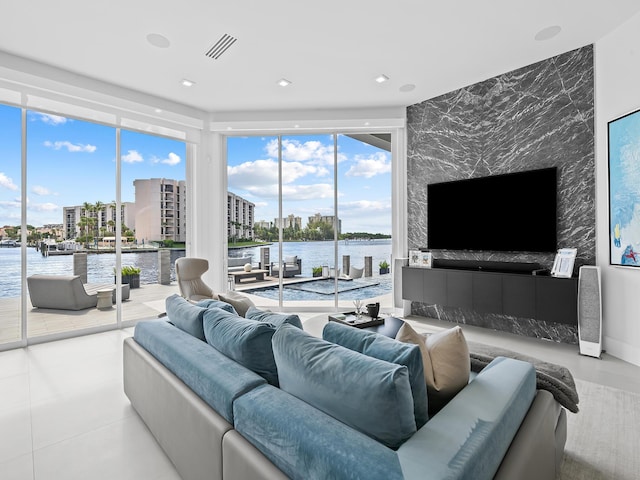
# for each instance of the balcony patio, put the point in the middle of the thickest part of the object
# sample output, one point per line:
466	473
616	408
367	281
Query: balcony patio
144	302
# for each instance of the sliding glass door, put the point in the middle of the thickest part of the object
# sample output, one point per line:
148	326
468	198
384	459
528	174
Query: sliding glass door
71	179
78	222
323	212
153	220
10	224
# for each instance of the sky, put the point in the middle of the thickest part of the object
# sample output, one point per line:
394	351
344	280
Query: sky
364	179
70	162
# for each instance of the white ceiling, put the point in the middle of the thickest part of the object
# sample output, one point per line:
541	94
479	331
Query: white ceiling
330	50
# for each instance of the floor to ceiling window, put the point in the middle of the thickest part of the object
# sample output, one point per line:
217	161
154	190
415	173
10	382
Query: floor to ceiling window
154	213
328	198
71	185
10	223
62	235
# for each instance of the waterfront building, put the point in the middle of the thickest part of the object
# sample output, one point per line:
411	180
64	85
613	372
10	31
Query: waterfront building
161	209
329	219
263	224
104	215
290	221
240	217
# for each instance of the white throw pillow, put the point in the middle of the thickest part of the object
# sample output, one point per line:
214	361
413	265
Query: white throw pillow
446	360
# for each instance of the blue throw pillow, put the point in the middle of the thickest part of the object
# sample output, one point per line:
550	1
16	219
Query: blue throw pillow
276	319
370	395
211	303
246	341
390	350
185	315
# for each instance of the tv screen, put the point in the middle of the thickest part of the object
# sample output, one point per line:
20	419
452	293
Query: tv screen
509	212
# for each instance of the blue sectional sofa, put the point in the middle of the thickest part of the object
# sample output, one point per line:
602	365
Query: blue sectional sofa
229	397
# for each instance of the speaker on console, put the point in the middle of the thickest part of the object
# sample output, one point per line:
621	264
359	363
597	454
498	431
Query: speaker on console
590	311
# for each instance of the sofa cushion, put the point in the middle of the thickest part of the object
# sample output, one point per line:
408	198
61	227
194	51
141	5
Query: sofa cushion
291	261
368	394
446	362
470	436
246	341
275	319
216	379
211	303
304	442
240	303
185	315
390	350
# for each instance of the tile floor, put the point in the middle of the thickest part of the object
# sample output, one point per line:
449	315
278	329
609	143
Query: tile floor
63	413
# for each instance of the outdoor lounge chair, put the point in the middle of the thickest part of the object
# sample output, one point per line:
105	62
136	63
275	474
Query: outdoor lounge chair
67	292
189	273
292	267
355	272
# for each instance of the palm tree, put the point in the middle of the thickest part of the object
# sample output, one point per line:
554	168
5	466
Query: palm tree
98	207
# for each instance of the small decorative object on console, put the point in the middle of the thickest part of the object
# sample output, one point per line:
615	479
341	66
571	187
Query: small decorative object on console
563	263
420	258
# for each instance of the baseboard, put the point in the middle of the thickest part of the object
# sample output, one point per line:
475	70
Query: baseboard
621	350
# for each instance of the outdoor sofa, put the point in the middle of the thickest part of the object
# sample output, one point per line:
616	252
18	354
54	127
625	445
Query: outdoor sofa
229	398
67	292
292	267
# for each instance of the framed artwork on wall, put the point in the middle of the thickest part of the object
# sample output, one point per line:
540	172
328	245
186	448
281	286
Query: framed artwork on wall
624	190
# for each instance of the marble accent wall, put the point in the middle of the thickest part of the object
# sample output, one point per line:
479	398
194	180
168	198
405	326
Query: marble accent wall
538	116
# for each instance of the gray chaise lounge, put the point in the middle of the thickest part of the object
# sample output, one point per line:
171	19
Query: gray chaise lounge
67	292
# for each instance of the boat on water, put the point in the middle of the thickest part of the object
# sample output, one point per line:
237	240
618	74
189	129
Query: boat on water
9	243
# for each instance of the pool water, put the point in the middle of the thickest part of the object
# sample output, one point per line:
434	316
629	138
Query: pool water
323	289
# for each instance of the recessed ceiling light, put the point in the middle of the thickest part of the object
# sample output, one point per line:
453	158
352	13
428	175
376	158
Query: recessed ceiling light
548	33
283	82
407	87
381	78
158	40
187	83
158	110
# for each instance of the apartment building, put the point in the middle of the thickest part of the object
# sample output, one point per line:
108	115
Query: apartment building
329	219
161	209
104	215
290	221
240	217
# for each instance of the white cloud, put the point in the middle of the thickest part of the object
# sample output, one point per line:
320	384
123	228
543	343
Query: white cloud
7	182
313	151
73	148
52	119
42	207
264	173
11	204
371	166
132	156
366	206
42	191
172	159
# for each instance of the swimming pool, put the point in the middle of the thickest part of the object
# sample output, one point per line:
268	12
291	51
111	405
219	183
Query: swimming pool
323	289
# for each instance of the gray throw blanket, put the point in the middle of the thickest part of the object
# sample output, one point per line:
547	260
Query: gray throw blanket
554	378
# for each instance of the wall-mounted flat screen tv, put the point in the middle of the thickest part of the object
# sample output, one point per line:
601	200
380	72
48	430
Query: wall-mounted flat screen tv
514	212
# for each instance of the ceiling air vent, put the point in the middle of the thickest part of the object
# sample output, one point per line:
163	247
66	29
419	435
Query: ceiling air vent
221	46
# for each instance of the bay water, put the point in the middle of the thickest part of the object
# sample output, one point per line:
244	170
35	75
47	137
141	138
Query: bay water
100	266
